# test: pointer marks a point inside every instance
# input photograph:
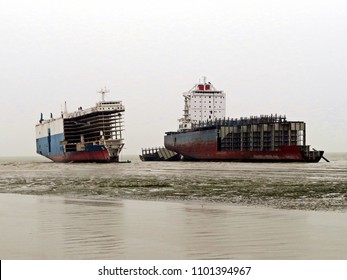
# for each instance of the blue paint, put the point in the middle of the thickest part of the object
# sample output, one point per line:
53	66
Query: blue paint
94	148
50	145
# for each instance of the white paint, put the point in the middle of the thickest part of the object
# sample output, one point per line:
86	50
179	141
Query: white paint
55	125
202	103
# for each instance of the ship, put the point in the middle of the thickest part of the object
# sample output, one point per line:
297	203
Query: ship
158	154
205	134
85	135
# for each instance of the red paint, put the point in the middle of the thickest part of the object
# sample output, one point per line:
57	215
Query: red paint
95	156
208	151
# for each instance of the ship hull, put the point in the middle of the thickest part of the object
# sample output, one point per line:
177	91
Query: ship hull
90	135
97	153
52	147
203	146
95	156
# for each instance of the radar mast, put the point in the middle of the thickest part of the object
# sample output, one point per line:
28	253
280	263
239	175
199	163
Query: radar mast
103	91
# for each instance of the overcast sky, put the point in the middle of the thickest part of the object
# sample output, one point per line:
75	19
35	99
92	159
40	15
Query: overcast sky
287	57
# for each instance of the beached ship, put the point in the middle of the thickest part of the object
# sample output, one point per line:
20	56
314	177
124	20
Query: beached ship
85	135
158	154
206	134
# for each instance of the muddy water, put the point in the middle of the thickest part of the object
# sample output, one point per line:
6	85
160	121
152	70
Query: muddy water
176	210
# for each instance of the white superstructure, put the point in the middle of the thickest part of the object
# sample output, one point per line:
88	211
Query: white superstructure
202	103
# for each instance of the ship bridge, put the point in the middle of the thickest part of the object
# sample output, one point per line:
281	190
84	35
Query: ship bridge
202	103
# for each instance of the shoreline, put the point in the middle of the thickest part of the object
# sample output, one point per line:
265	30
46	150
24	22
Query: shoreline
177	200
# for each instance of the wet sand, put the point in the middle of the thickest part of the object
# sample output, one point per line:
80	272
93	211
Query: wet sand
321	186
55	227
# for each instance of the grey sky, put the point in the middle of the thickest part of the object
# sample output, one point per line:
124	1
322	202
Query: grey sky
287	57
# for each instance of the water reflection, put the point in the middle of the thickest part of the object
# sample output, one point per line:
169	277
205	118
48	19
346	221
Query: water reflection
67	228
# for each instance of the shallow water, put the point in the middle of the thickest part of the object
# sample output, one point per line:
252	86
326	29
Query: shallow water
51	227
173	210
316	186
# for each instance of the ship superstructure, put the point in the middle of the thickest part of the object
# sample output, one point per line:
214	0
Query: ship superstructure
202	103
85	135
263	138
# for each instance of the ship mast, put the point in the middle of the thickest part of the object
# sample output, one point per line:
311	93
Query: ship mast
103	91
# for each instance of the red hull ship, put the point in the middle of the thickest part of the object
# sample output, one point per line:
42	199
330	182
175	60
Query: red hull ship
100	154
208	145
204	136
